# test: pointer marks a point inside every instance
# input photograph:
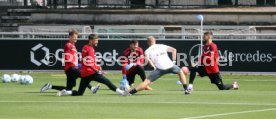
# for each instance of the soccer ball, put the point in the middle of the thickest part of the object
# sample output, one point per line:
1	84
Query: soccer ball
26	79
185	70
22	79
29	79
15	77
6	78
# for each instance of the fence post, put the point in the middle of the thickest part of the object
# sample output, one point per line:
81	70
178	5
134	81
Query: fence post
79	3
156	3
55	4
65	4
25	3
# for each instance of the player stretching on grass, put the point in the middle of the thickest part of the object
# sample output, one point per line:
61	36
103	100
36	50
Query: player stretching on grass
157	56
132	65
90	70
70	69
208	65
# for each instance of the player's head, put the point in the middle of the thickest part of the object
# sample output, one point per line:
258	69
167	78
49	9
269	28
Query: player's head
151	40
73	36
93	40
207	37
134	44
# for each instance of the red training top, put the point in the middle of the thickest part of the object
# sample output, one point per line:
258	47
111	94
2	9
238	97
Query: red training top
209	58
70	56
88	64
136	57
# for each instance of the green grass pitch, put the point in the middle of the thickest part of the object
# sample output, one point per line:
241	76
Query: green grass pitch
256	99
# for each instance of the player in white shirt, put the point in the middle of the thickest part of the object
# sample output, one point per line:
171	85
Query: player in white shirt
157	57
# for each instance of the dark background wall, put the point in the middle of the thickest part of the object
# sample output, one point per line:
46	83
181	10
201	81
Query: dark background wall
254	56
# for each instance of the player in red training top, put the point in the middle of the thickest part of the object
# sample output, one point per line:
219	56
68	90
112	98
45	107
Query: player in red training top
209	65
71	66
132	63
90	70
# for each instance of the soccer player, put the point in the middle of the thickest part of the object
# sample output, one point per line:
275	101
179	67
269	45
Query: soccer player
71	66
134	56
90	70
157	57
208	65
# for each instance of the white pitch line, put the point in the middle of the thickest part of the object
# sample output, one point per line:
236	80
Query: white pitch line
198	103
231	113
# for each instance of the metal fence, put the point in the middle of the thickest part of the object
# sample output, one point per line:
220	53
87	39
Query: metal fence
136	3
129	36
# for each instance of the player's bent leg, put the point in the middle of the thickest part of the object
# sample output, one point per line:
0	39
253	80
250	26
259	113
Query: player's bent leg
140	87
217	80
57	87
83	84
72	74
130	78
198	69
102	79
193	71
154	75
143	85
141	72
176	70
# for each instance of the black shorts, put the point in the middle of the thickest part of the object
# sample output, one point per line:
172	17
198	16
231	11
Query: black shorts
138	70
215	78
72	74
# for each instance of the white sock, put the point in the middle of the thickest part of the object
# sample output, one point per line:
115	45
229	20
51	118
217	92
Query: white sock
50	87
92	88
69	92
119	91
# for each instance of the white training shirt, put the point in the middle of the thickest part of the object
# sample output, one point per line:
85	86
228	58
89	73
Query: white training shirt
158	53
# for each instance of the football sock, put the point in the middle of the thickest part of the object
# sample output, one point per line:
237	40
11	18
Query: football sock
185	86
119	91
57	87
192	77
89	86
69	92
228	86
133	91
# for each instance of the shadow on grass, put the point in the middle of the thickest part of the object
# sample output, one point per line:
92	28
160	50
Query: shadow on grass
131	95
38	92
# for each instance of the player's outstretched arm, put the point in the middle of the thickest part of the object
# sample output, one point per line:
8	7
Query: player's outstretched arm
150	62
173	51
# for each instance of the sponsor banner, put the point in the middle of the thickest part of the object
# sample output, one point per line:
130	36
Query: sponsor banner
249	56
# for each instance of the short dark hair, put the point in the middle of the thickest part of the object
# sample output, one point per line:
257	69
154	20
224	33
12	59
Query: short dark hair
134	41
92	37
73	32
208	33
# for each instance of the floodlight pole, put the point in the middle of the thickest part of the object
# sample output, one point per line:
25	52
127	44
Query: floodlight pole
201	36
